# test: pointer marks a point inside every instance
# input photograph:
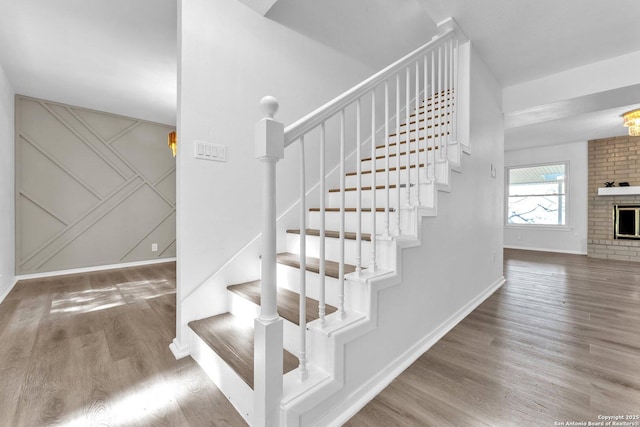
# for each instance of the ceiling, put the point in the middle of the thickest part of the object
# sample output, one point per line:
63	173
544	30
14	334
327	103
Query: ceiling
120	56
375	32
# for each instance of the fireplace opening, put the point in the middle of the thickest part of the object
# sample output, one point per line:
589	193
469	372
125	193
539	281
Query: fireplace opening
626	222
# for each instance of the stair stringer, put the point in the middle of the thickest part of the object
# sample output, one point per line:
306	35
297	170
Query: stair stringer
302	408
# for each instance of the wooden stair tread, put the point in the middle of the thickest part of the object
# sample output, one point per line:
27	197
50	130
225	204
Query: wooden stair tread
351	209
416	130
288	301
393	144
382	156
412	120
232	340
333	234
368	188
313	264
382	170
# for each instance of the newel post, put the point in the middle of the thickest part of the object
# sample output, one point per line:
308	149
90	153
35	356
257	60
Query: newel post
268	333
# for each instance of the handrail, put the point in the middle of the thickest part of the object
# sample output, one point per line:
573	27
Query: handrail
299	128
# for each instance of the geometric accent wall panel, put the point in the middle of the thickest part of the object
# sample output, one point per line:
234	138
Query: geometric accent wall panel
92	188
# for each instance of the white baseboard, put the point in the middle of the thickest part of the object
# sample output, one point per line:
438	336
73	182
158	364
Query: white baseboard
560	251
5	293
378	383
94	268
178	349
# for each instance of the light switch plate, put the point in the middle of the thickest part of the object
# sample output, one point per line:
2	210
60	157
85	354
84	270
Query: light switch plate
210	151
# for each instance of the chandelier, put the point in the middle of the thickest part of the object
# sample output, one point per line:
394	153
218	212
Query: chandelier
632	121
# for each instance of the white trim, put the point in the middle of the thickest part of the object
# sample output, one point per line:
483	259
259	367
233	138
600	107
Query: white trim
540	227
379	382
94	268
618	191
560	251
9	289
178	349
567	195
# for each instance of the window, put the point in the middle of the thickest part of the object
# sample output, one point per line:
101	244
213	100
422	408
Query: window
537	195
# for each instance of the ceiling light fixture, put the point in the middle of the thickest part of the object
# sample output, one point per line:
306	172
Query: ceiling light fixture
173	142
632	121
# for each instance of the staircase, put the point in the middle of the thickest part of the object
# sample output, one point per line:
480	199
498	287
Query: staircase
282	351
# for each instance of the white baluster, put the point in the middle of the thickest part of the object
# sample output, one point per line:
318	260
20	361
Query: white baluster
456	86
397	230
445	102
302	369
386	158
373	267
358	190
268	332
408	129
439	95
322	240
341	264
416	193
426	107
432	140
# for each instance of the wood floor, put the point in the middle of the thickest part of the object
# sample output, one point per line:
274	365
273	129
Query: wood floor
92	350
559	342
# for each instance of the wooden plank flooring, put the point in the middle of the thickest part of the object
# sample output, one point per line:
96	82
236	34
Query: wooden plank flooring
559	342
92	350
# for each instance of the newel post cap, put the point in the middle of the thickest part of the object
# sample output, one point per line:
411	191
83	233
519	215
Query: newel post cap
269	135
270	106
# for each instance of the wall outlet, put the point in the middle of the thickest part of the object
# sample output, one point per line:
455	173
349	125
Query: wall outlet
154	247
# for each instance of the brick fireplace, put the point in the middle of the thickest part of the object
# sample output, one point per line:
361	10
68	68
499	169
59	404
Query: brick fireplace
612	159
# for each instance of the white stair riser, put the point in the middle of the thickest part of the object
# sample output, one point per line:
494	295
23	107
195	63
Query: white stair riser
332	248
354	294
432	138
351	198
352	180
289	278
225	377
422	120
332	221
247	311
381	150
393	160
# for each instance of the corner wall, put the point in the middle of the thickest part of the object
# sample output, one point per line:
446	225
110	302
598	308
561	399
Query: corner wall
230	58
7	192
570	239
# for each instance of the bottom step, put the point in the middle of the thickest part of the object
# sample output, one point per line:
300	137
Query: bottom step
232	340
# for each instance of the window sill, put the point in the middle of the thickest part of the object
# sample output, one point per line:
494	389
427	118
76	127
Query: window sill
539	227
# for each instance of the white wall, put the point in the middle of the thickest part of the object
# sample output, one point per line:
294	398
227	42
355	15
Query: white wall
230	58
7	194
459	262
570	239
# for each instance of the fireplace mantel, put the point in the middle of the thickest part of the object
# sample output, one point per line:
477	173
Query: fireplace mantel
618	191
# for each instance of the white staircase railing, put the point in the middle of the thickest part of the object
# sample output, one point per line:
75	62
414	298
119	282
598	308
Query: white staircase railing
414	97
